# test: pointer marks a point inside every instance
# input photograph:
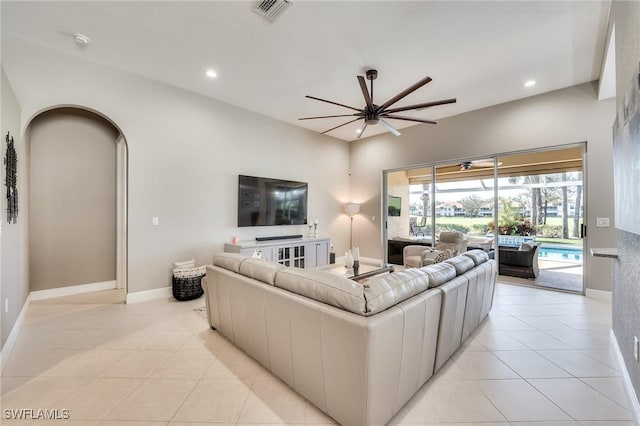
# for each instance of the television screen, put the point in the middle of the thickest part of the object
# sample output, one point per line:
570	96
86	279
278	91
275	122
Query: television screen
267	202
394	204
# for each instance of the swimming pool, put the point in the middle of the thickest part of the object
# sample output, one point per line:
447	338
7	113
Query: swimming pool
566	254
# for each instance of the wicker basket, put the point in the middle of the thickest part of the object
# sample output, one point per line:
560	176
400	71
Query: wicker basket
187	288
196	271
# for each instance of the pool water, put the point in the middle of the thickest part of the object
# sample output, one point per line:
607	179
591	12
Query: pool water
566	254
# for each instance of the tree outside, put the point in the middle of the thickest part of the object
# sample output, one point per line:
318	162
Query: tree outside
546	205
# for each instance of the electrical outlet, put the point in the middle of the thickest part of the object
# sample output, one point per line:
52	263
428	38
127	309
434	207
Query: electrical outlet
636	348
373	218
6	306
602	222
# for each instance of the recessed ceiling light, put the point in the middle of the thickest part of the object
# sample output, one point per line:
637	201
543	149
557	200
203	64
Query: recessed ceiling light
211	74
81	39
358	130
529	83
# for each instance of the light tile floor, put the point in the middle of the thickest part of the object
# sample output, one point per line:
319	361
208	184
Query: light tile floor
541	358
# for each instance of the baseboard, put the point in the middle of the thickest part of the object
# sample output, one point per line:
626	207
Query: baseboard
143	296
13	335
599	294
71	290
635	404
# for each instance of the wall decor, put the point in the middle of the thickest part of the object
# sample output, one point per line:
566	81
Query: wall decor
626	159
11	180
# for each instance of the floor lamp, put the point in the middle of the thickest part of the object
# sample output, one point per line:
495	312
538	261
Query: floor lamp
351	209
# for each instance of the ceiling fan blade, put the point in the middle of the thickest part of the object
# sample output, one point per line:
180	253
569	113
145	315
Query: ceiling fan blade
485	163
348	122
417	120
365	92
333	103
364	126
421	106
330	116
404	93
389	127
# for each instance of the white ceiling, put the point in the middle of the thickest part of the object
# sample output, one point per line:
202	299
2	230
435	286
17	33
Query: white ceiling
478	52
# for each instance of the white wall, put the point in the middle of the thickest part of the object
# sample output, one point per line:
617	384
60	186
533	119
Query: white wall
72	220
14	264
185	154
398	185
562	117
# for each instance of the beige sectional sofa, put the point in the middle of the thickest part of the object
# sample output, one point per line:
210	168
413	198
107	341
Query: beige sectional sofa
358	351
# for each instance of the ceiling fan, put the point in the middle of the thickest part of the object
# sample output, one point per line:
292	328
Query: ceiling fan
379	114
467	165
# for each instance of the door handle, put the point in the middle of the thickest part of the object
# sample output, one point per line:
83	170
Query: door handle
583	230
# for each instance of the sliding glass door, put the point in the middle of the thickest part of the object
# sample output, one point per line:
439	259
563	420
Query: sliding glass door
505	205
541	204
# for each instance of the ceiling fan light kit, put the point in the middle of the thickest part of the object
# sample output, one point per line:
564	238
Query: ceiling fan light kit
373	114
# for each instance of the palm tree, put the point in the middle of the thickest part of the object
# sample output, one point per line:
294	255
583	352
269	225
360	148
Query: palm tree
548	194
536	199
576	214
425	203
565	208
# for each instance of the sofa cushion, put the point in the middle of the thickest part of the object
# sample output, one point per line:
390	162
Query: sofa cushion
383	291
324	287
478	256
261	270
230	261
461	263
439	273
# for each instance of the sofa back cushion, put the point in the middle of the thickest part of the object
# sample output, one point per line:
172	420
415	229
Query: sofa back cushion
439	273
383	291
461	263
229	261
478	256
260	270
324	287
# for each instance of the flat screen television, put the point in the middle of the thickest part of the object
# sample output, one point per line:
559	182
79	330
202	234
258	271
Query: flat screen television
394	205
269	202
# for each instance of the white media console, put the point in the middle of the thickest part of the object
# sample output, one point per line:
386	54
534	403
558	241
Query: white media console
297	252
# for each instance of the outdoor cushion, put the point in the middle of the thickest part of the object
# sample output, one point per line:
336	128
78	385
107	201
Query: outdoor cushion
384	291
324	287
526	247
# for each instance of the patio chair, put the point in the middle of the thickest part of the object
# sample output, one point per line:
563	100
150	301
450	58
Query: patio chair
517	262
450	244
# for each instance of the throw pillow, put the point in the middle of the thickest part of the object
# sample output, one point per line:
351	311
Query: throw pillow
526	247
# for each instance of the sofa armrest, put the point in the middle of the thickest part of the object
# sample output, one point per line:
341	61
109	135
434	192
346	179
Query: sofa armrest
414	250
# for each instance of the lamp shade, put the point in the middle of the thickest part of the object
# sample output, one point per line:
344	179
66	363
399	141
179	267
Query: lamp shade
352	209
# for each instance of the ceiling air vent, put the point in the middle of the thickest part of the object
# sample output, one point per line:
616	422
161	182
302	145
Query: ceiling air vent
272	9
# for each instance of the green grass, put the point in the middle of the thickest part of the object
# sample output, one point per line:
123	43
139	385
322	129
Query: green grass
571	242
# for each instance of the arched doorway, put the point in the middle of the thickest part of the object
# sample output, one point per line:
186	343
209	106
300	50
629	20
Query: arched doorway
77	203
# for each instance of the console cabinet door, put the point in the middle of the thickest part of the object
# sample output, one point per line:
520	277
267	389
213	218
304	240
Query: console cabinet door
322	253
310	251
317	254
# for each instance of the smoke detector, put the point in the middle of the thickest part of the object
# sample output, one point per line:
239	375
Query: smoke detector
81	39
272	9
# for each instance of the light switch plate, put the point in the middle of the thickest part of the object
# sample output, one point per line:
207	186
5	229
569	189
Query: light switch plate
602	222
636	348
155	221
